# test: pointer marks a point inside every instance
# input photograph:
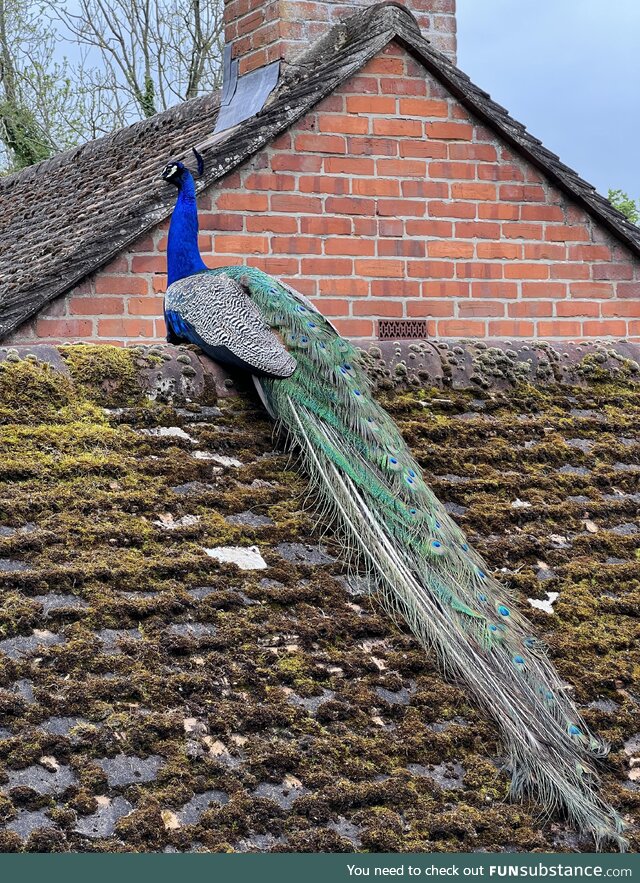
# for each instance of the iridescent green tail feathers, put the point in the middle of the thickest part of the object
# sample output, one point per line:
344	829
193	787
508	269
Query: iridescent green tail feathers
419	562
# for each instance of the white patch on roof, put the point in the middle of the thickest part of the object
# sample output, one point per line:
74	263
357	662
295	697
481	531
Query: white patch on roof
246	557
168	432
547	605
217	458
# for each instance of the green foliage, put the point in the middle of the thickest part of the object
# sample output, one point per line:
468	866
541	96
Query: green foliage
629	207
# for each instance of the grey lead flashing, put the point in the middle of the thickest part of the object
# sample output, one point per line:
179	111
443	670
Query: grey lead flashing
243	97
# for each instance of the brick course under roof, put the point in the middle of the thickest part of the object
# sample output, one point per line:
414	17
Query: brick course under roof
67	217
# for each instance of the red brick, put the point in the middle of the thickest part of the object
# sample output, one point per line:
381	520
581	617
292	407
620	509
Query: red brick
544	289
526	271
330	306
604	328
124	284
145	306
450	249
510	328
378	307
384	64
324	184
381	267
477	230
573	308
326	266
425	148
348	165
479	270
373	146
344	246
634	330
320	143
269	181
559	329
499	250
445	288
126	328
277	266
530	309
390	227
450	131
562	233
229	244
376	186
406	288
551	251
612	271
230	223
343	123
480	308
398	128
350	287
401	167
296	162
486	152
96	306
433	269
425	189
420	227
628	289
522	231
473	191
451	170
295	204
354	327
402	86
121	264
426	308
271	224
452	209
64	328
521	193
423	107
296	245
363	226
402	208
360	84
494	289
408	248
350	205
325	225
621	308
243	202
591	289
159	283
542	213
461	328
498	211
589	253
502	172
570	271
371	104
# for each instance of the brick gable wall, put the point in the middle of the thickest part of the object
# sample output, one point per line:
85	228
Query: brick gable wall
389	200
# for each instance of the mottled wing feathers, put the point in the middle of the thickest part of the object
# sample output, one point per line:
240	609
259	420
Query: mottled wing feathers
217	313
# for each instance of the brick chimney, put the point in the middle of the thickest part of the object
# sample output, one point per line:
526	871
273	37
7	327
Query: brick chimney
263	31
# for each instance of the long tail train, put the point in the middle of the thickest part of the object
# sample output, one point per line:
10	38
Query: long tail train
419	561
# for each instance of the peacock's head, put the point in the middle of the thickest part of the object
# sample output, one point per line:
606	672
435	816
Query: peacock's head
175	171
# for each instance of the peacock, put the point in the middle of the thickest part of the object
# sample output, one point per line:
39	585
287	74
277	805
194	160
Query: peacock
314	384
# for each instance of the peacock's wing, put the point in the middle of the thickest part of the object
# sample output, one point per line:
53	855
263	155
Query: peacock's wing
217	313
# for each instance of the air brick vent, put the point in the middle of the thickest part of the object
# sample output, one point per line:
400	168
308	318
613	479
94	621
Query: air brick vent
402	329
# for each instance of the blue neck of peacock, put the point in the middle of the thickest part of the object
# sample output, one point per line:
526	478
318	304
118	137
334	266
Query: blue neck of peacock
183	254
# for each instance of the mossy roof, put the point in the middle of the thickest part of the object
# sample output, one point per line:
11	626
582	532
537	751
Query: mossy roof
66	217
153	698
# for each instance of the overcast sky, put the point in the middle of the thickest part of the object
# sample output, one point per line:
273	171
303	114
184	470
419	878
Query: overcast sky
569	70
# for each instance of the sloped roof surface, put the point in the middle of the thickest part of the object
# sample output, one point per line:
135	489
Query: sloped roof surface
66	217
156	699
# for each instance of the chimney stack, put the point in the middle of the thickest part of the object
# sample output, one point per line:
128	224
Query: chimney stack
263	31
